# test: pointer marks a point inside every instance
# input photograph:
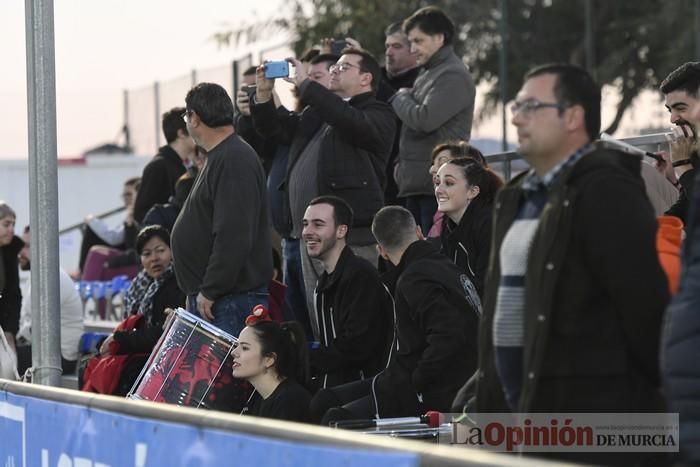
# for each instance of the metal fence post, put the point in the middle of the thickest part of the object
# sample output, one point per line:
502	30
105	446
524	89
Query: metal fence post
43	191
126	129
156	101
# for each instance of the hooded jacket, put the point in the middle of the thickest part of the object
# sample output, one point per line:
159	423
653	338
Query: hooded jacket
434	352
354	315
468	243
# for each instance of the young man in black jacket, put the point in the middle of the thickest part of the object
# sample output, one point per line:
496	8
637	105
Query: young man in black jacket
352	306
434	350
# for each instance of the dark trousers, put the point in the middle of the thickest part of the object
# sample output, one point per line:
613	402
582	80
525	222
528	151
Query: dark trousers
360	400
24	361
423	208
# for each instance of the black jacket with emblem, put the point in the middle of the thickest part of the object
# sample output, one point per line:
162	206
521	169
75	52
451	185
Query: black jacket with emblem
436	329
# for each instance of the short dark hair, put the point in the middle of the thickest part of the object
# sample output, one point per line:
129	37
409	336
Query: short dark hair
684	78
431	20
172	122
342	212
309	54
134	182
459	149
251	70
393	227
212	104
287	342
574	86
150	232
368	64
328	59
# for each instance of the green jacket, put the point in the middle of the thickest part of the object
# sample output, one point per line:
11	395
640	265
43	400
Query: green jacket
595	294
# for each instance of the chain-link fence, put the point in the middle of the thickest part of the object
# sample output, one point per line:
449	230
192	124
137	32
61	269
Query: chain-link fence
144	106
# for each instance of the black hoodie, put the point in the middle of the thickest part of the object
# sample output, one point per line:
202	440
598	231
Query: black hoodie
354	315
435	350
468	243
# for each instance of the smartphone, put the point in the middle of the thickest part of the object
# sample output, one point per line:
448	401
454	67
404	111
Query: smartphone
337	46
278	69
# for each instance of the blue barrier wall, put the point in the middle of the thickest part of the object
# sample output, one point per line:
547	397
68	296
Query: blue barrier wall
41	433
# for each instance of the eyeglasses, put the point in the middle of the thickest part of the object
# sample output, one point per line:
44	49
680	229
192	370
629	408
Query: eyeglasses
186	116
527	108
341	67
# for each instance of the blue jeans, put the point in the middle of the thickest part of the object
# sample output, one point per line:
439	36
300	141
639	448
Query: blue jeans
295	296
230	311
423	208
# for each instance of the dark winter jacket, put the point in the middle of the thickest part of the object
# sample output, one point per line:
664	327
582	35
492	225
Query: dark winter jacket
354	149
468	244
354	315
11	295
145	337
158	181
682	340
595	294
436	329
387	87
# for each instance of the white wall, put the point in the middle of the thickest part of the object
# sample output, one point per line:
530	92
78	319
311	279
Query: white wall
93	186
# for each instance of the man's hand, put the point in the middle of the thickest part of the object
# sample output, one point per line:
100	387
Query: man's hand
299	75
243	102
204	306
263	85
682	143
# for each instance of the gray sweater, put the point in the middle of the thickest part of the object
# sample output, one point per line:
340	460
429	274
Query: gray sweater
438	109
221	239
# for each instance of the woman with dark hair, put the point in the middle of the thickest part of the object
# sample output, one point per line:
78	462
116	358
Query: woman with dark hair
273	358
465	191
441	154
152	291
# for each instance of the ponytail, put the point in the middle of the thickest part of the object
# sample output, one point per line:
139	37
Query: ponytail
286	342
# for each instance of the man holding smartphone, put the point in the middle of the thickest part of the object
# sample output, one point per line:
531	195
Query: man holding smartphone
680	89
339	145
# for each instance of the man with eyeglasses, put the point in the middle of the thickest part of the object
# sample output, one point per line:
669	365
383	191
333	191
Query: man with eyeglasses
575	294
339	145
221	238
438	108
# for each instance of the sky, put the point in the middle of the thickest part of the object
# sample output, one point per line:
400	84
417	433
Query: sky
103	47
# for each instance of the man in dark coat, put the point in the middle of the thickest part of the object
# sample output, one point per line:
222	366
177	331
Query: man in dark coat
161	172
575	292
339	145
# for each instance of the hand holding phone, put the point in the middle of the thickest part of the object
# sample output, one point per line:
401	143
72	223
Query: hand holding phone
277	69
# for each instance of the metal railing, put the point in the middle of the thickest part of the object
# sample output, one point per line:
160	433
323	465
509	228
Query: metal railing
653	142
429	454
